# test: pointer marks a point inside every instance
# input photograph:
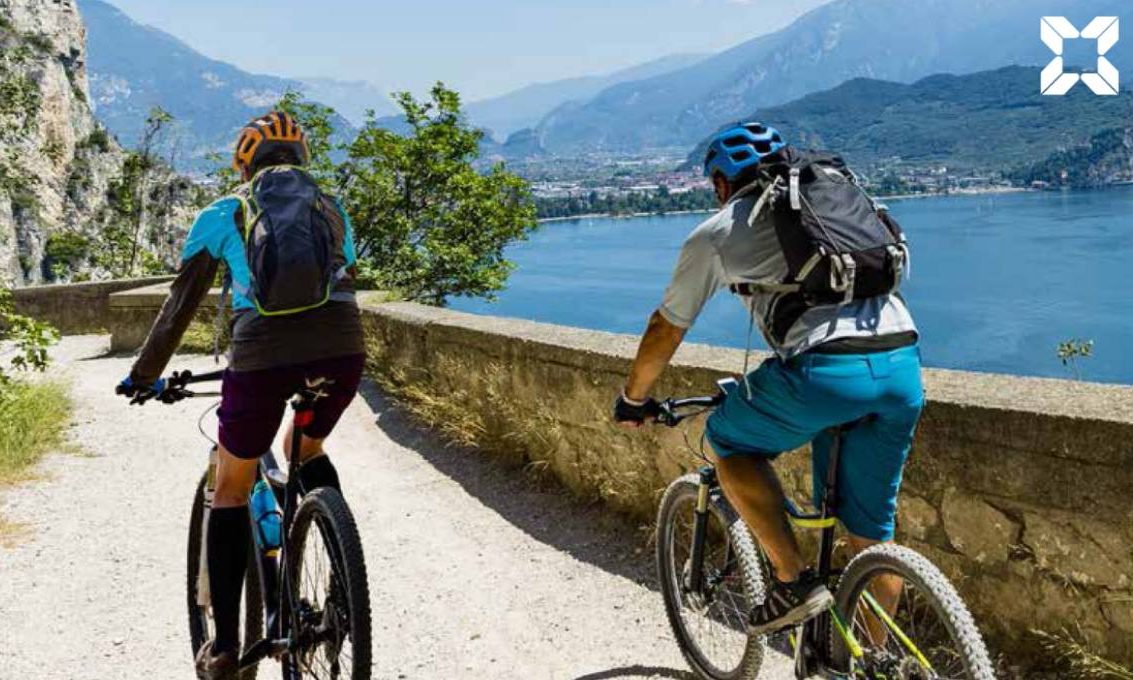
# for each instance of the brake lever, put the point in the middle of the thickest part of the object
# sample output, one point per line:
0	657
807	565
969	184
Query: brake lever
665	414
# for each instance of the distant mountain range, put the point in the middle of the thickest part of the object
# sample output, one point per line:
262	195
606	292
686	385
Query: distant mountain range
350	98
666	103
894	40
992	120
134	67
525	107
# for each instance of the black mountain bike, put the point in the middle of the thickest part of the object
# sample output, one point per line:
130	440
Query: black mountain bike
308	589
712	573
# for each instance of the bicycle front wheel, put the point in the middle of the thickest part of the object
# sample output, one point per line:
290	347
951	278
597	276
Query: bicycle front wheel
907	619
200	616
710	623
330	591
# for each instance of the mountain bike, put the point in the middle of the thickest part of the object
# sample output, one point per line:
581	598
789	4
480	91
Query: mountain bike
308	589
712	573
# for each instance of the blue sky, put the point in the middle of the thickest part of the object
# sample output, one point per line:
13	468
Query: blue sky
481	48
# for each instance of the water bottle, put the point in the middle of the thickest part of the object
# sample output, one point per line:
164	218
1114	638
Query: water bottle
267	517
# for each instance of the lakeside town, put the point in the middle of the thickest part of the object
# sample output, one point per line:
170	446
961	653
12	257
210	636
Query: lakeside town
663	183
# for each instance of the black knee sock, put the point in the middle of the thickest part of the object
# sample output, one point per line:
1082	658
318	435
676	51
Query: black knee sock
229	534
318	472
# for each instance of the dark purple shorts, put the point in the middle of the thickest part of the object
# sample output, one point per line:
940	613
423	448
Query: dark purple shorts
252	402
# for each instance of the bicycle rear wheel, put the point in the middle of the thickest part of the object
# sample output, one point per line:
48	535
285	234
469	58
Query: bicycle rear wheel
710	625
927	634
200	618
329	588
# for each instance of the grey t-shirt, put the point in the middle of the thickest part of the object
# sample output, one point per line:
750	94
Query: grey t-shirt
726	250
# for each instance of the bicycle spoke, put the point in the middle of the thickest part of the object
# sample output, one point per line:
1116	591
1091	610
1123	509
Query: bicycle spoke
922	629
324	608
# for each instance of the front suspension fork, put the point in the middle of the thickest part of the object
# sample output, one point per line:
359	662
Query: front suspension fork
700	529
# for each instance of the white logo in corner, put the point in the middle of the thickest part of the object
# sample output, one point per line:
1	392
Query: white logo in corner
1055	80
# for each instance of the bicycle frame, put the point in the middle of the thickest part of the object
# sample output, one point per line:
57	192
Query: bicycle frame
809	641
281	617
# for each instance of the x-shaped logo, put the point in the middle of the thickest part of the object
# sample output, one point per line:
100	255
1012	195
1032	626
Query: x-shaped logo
1055	80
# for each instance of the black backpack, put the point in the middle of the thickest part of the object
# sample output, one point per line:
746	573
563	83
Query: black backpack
839	244
288	241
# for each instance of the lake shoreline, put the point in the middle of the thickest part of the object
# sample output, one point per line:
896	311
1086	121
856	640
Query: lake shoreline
890	197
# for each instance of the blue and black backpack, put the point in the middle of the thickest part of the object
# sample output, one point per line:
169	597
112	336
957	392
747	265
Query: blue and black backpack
294	253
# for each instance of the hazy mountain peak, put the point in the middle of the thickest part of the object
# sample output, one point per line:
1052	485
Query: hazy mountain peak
888	39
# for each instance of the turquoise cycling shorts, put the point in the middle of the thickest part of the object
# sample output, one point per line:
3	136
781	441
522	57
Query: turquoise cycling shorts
796	400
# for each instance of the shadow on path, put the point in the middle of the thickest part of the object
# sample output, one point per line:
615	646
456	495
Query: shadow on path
638	672
586	531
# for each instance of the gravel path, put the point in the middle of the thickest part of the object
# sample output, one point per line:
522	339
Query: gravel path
475	570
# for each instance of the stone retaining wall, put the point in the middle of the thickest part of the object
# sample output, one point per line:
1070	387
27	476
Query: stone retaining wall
1021	489
76	308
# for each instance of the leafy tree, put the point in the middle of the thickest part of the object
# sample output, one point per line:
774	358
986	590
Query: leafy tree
427	224
120	249
156	122
317	123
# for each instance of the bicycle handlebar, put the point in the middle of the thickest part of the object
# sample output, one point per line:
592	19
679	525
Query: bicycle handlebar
669	411
175	388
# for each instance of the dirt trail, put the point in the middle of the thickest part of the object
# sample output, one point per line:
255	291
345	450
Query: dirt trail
475	572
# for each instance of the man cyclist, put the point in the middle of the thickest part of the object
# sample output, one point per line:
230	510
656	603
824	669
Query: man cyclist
833	364
269	358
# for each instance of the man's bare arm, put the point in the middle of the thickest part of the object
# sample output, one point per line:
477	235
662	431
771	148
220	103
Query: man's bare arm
657	347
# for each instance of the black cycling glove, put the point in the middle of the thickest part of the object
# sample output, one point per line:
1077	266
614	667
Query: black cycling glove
626	411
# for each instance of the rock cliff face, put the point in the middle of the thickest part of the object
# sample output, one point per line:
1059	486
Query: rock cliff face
60	172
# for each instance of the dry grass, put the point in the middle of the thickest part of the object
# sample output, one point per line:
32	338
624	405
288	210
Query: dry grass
1077	661
12	533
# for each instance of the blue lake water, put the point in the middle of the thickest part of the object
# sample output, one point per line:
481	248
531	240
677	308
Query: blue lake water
997	280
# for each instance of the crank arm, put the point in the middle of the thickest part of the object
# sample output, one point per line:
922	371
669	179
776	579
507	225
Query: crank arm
262	649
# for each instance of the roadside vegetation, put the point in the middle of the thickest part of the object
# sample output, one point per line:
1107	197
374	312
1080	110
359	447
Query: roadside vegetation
1076	661
1072	352
33	412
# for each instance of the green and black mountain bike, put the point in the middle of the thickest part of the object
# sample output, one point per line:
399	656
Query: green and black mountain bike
712	573
306	601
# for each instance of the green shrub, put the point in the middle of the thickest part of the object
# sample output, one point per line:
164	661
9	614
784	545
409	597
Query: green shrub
98	139
65	251
29	339
39	41
199	337
33	416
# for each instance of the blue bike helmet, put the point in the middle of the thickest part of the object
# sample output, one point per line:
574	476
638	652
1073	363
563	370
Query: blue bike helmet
737	148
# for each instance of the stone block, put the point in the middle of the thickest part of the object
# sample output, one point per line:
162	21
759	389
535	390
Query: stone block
977	529
916	517
1082	550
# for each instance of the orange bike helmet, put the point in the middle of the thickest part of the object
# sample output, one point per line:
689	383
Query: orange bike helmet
266	133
